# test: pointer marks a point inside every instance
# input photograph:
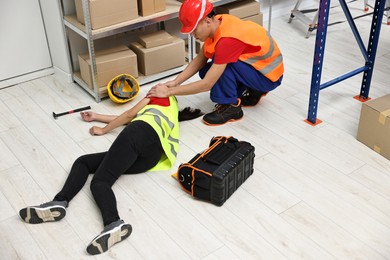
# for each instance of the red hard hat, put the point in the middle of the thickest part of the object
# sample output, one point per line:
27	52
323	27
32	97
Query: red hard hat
191	12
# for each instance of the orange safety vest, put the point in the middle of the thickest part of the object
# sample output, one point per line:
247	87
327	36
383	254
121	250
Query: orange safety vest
268	60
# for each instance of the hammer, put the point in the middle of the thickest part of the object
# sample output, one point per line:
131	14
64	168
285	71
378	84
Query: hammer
70	111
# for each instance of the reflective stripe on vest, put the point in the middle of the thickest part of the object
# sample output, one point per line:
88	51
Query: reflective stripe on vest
156	116
271	66
164	120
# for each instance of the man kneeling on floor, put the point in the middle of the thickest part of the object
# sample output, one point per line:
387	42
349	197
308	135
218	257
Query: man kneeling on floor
245	65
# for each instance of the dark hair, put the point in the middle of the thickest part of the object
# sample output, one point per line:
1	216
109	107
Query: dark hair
189	113
211	14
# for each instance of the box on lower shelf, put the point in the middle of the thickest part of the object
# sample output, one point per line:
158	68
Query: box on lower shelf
102	91
374	125
109	63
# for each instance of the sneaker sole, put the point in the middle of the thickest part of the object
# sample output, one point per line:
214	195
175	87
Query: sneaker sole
36	215
103	242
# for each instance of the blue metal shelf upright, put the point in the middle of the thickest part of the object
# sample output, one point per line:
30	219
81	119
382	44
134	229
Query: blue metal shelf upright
319	51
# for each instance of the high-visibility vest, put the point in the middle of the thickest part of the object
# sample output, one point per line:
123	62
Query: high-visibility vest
164	120
268	60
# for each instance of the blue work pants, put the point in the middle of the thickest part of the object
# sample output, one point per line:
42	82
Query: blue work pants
235	79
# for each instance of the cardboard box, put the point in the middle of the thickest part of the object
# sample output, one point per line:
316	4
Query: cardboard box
107	12
148	7
160	58
109	64
155	39
240	9
374	125
258	18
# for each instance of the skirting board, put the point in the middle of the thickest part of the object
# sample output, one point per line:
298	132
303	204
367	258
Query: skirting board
26	77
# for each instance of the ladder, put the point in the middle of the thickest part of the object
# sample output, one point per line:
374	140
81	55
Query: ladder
312	23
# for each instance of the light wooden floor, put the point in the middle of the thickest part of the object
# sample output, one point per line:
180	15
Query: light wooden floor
316	192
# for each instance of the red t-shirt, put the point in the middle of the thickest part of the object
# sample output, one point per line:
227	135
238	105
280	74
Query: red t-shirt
228	50
159	101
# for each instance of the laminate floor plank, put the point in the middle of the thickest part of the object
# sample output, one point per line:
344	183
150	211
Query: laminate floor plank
353	219
315	193
314	225
231	230
290	241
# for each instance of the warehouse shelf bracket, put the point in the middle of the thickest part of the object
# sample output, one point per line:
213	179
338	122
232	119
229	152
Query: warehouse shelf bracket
319	51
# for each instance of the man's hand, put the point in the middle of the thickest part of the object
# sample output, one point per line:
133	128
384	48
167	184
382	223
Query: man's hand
95	130
88	116
159	90
170	84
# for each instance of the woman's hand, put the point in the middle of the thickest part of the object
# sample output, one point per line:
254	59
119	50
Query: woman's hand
95	130
88	116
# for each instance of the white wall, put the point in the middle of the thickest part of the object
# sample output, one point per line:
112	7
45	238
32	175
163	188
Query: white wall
56	37
24	52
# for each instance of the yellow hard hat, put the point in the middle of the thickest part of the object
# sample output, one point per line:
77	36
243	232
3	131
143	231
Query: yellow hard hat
123	88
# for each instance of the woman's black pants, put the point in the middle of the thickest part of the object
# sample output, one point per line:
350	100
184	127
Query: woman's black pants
136	149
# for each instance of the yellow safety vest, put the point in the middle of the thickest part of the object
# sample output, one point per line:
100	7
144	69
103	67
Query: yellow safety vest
164	120
268	60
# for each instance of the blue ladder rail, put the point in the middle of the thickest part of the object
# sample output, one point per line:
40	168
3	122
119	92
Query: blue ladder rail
319	51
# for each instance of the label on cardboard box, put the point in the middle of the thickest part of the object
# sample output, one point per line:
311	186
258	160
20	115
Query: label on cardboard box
160	58
154	39
374	125
109	63
107	12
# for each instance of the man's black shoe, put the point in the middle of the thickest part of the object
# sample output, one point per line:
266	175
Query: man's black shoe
223	114
251	97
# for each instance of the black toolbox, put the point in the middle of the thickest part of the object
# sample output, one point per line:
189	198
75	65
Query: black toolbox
215	174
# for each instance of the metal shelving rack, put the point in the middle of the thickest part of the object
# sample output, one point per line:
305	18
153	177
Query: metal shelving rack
319	51
71	23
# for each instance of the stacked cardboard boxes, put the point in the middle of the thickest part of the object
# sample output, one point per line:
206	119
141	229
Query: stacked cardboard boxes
107	12
245	10
258	18
110	63
374	125
148	7
157	52
155	39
